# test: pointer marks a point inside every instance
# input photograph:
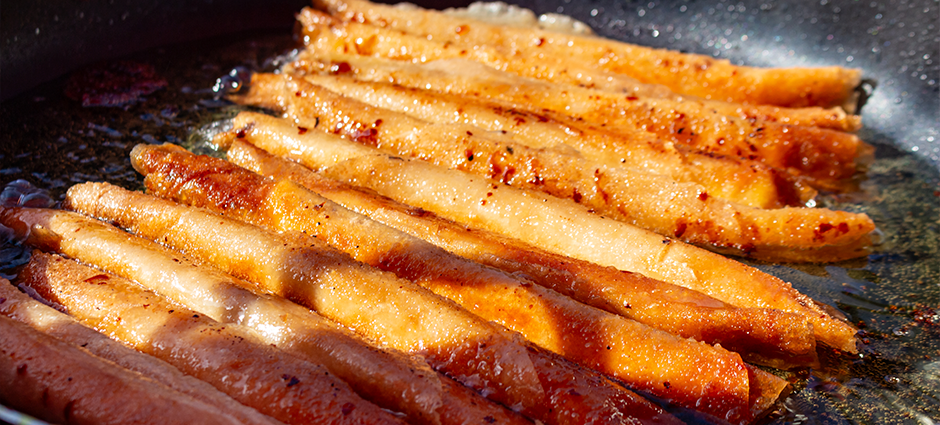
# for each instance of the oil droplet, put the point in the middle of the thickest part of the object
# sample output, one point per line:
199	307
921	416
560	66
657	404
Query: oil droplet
233	82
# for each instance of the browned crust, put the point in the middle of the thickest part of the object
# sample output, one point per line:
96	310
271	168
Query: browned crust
226	356
764	336
62	383
624	247
645	359
683	211
20	307
682	72
473	351
370	40
823	155
739	180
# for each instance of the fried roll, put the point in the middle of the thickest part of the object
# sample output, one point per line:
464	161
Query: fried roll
387	309
684	211
227	356
20	307
678	370
744	181
326	34
557	225
390	379
826	157
763	336
62	383
692	74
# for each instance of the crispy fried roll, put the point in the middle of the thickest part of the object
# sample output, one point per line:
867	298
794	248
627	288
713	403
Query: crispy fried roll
557	225
20	307
681	210
655	362
739	180
764	336
391	310
682	72
58	382
324	33
227	356
825	156
388	378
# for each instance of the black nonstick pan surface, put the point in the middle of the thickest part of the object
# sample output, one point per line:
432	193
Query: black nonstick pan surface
51	141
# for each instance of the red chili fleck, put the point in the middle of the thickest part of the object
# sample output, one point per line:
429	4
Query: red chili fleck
703	196
843	227
680	229
364	136
340	68
576	196
301	130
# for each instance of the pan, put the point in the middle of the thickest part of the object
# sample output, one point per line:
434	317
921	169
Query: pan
197	48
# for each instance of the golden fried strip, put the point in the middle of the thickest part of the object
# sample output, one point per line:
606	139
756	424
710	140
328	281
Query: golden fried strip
748	182
825	156
764	336
554	224
326	34
680	370
61	383
389	379
227	356
681	210
21	308
322	30
692	74
388	309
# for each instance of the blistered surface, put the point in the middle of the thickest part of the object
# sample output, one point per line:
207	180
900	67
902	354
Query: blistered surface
52	142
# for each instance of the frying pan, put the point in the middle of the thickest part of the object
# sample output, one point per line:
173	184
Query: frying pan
894	294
